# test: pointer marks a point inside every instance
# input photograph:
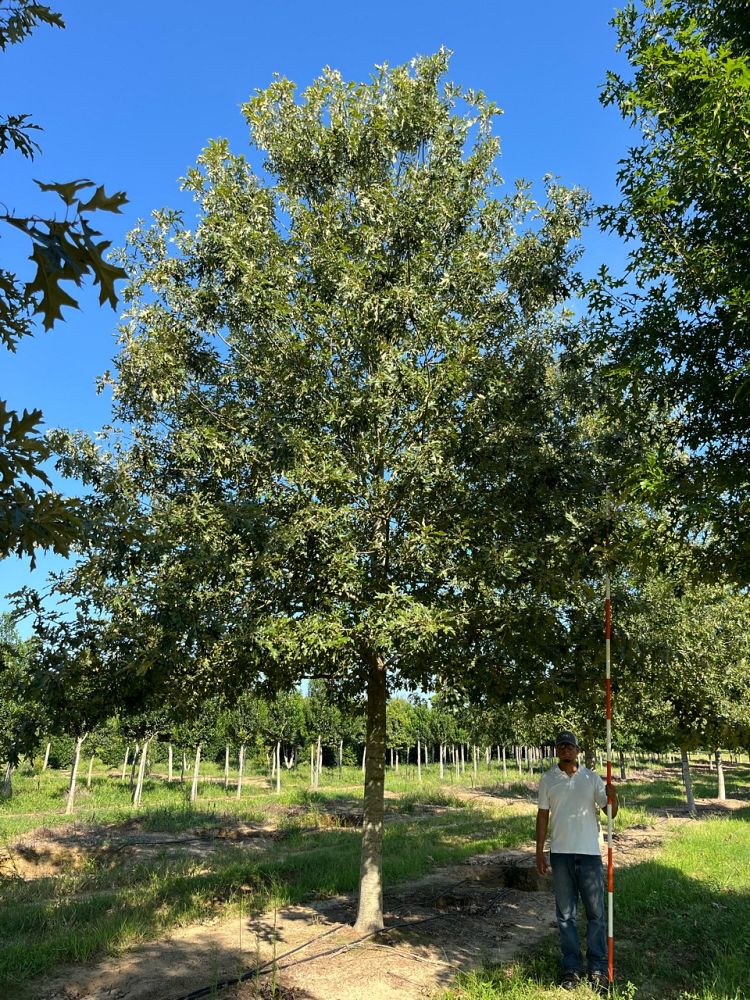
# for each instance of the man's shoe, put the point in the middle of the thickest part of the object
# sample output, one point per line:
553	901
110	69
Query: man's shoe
599	982
570	980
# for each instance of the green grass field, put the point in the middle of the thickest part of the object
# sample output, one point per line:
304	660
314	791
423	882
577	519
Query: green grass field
682	917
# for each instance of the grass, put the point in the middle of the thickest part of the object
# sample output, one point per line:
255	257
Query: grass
109	903
681	924
681	918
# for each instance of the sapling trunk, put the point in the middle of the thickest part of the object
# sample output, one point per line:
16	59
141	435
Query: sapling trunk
505	768
196	770
419	761
226	768
319	762
364	759
7	788
46	756
312	765
688	782
138	793
720	777
341	760
442	758
183	769
169	762
73	775
278	768
132	769
240	768
475	756
623	776
125	763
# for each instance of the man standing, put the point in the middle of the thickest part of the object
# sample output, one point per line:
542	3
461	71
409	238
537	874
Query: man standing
571	797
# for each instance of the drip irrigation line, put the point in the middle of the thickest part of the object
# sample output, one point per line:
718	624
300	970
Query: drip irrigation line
214	988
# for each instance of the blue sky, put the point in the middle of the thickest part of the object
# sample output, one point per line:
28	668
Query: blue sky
130	93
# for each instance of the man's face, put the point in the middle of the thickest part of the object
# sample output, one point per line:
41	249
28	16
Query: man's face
567	752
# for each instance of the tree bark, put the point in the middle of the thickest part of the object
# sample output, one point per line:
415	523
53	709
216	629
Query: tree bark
419	761
341	760
278	768
442	759
370	910
364	759
170	762
125	763
312	765
318	762
73	774
183	769
623	776
46	756
720	777
196	769
688	782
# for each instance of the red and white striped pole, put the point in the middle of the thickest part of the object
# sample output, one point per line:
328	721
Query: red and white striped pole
610	862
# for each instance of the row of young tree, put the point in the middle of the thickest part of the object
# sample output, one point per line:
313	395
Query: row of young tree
360	436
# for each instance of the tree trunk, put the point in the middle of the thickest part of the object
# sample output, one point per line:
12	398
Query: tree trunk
419	761
125	763
720	777
475	761
442	759
688	782
318	762
240	768
132	769
91	767
364	759
370	910
278	768
138	793
226	768
312	765
623	776
170	761
183	768
73	774
341	760
196	769
46	756
6	791
505	768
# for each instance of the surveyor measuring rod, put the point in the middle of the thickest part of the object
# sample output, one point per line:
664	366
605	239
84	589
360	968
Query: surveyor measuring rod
610	863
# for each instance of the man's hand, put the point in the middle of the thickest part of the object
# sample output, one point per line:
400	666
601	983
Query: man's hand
611	791
542	865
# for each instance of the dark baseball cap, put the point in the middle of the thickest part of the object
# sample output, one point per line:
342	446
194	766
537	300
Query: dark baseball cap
566	737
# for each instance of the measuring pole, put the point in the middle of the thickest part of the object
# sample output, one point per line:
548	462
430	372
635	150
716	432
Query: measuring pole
610	863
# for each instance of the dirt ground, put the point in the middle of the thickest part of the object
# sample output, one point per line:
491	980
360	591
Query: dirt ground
489	910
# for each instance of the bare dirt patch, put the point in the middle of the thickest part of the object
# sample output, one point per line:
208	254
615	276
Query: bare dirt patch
490	909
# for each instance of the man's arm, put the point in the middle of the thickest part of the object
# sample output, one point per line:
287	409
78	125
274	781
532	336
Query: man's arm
542	821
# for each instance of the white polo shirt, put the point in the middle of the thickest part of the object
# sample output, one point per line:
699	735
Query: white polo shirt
573	802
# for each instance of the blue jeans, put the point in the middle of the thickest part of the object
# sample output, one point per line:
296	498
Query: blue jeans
574	875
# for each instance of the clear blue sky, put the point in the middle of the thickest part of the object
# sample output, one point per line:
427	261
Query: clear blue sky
129	93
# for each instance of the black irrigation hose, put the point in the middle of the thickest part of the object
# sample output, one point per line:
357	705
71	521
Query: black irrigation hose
214	988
